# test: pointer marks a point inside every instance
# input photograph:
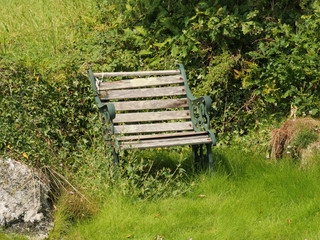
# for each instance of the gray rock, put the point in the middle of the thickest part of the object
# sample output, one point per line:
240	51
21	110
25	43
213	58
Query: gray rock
24	200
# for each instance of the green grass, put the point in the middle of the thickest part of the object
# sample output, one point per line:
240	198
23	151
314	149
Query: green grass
37	30
247	198
11	237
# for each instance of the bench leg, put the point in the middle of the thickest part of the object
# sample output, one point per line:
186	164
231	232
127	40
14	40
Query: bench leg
195	155
201	160
210	157
115	157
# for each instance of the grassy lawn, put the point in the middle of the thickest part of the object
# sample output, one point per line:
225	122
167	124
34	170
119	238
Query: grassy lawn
246	198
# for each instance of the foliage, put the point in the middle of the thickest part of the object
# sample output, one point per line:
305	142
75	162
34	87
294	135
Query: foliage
285	69
46	120
255	58
141	178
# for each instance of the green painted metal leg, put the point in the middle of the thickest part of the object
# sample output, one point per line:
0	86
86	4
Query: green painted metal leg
201	160
115	157
203	163
195	155
210	157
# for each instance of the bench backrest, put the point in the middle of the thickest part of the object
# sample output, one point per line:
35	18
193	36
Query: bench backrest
146	102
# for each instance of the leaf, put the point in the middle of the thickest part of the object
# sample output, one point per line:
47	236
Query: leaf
145	52
219	10
158	215
141	30
175	50
128	7
314	111
25	155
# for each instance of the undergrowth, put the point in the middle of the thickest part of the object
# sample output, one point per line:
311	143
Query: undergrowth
145	176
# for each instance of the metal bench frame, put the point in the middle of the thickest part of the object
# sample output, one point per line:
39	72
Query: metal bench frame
197	108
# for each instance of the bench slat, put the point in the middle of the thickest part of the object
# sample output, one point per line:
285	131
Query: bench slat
167	142
141	82
157	136
141	73
143	93
152	128
151	104
151	116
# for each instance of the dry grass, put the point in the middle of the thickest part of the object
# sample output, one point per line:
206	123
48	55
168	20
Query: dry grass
288	132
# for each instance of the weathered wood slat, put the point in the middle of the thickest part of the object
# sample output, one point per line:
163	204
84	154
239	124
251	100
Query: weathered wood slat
167	142
141	73
152	128
143	93
166	139
151	116
158	136
151	104
141	82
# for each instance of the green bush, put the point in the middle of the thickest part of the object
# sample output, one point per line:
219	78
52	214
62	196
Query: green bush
46	119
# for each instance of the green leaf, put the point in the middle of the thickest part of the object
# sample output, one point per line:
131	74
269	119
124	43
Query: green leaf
145	52
174	50
141	30
314	111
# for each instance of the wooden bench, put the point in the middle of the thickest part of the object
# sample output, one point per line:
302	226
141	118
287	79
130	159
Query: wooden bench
153	109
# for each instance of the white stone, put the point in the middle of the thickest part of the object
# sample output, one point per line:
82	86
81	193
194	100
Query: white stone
23	198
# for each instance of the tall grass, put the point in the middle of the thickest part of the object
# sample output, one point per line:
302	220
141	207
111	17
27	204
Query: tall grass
246	198
37	30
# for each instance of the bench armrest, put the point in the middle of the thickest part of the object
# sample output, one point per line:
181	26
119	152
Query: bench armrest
109	113
199	109
108	110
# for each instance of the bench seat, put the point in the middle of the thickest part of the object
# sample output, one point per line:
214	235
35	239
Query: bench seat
164	140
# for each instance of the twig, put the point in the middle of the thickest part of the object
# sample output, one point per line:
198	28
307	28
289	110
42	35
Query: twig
245	105
66	181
